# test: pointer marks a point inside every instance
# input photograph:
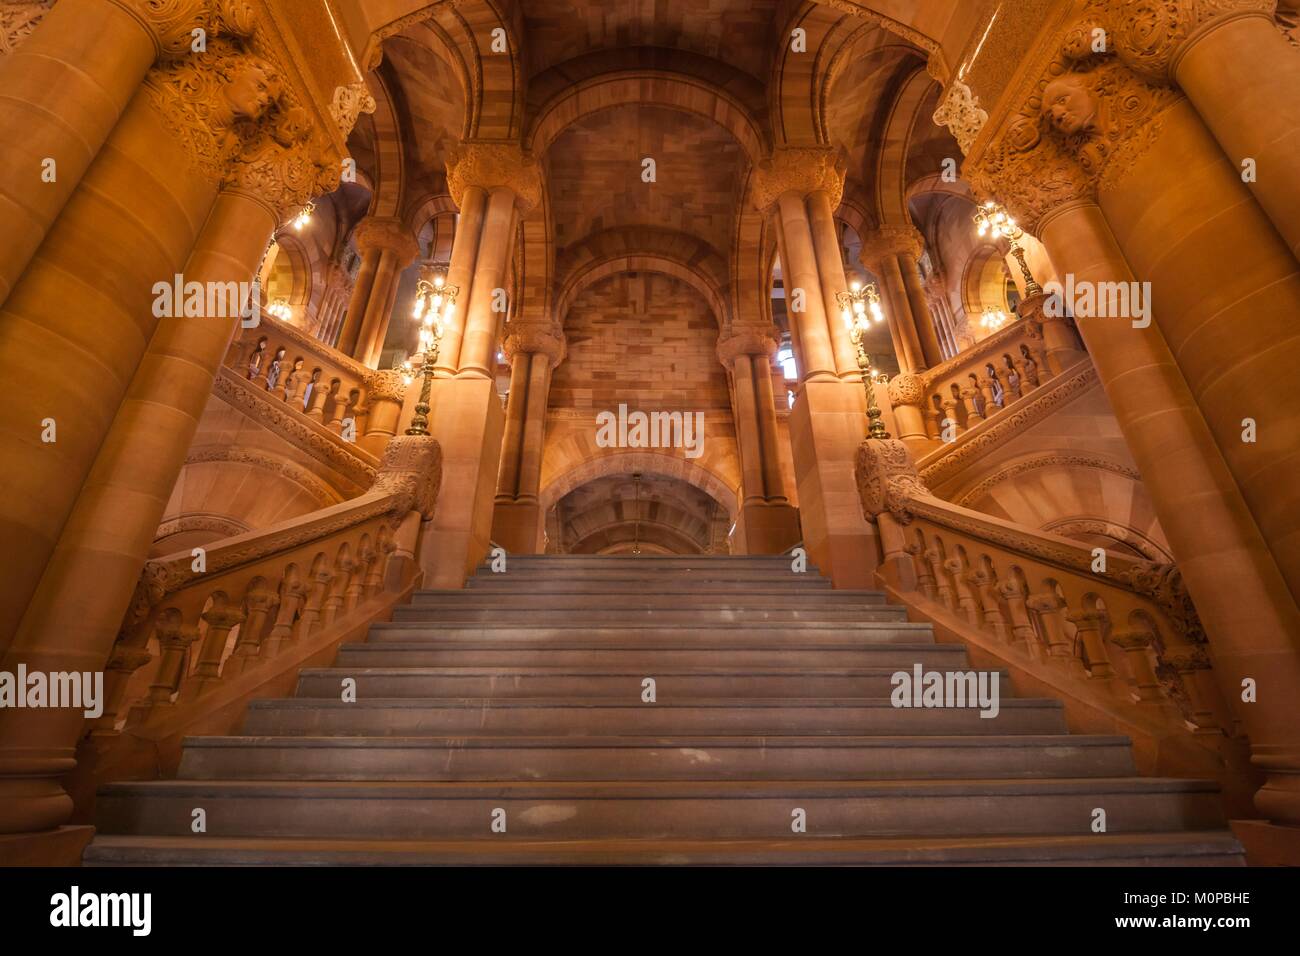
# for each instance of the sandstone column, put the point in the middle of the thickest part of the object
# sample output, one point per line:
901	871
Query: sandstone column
830	267
517	522
65	88
163	163
891	254
769	525
495	185
828	420
388	244
88	583
1244	80
1243	601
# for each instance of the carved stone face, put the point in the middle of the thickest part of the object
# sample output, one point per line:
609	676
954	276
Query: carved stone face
1069	105
250	92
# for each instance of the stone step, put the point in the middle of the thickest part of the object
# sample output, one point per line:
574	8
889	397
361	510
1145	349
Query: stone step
1212	848
640	598
653	758
659	584
596	616
649	658
747	809
645	565
670	685
593	716
787	633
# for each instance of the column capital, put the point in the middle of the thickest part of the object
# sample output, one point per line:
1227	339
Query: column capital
890	241
536	339
494	166
172	24
745	342
385	385
1150	38
385	234
798	169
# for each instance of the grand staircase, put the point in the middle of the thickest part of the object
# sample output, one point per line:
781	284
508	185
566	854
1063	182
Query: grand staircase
517	703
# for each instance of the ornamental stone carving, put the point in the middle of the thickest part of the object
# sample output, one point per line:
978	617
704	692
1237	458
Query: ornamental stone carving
385	385
412	468
284	168
350	102
535	339
1163	583
495	166
960	111
1150	36
172	23
385	234
907	389
745	342
802	170
887	478
18	20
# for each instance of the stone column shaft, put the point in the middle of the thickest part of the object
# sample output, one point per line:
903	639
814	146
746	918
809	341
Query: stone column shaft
356	314
919	311
830	266
747	432
460	273
1241	597
530	453
482	323
59	366
765	398
516	410
64	88
801	273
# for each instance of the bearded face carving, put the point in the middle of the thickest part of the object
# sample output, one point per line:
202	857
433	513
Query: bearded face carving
1069	105
250	90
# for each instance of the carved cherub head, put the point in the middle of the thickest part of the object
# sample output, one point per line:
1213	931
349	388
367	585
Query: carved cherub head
1069	104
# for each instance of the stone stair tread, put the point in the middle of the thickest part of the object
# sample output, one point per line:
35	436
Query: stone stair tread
571	670
770	741
1218	847
729	703
742	626
658	789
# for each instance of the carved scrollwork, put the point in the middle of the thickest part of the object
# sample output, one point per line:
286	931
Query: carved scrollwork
887	478
534	338
491	166
741	341
799	169
18	20
412	468
1163	583
960	111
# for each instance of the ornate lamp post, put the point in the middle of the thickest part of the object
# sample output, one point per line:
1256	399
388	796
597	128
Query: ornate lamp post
992	220
859	307
434	302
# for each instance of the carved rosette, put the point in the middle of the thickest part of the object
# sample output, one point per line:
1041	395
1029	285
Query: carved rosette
386	385
802	170
887	478
379	233
907	389
495	166
745	342
412	467
535	339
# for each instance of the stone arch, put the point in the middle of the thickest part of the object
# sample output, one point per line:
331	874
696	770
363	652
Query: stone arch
895	147
389	183
647	462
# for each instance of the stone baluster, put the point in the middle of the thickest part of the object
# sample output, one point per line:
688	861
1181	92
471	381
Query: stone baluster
951	422
924	575
221	620
313	608
1047	605
966	603
985	383
986	586
1022	629
1136	645
122	663
174	640
968	397
936	561
320	394
1190	664
1090	625
292	595
260	600
334	600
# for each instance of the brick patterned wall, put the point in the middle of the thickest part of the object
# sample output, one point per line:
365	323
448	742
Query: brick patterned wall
643	339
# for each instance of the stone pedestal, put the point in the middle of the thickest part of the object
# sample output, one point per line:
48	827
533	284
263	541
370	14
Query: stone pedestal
827	424
768	527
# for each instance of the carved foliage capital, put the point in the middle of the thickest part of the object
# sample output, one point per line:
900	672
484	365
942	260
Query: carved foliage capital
887	478
891	241
802	170
493	166
1150	35
536	339
385	385
375	232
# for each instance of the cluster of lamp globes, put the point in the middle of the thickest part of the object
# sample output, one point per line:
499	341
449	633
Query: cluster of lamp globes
434	303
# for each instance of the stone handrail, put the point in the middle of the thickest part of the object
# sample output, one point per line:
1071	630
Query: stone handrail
1123	626
319	382
207	616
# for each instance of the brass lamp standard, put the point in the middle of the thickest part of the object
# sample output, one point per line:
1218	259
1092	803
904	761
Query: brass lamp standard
434	303
992	220
859	307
